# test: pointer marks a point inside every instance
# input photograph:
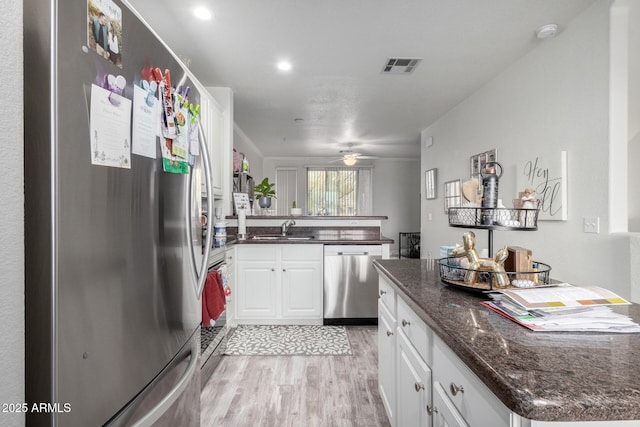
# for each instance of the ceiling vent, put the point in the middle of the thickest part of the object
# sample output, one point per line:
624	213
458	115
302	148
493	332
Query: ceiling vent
401	65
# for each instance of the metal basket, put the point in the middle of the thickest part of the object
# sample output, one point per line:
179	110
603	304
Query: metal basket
496	219
452	273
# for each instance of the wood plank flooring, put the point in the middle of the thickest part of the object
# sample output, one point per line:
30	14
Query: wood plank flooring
314	391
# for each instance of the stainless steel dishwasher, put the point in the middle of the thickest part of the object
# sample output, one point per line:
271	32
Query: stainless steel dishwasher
350	284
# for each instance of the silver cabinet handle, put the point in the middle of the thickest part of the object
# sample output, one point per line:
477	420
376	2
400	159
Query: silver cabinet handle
405	323
284	269
382	292
419	386
431	410
389	333
273	269
455	389
230	257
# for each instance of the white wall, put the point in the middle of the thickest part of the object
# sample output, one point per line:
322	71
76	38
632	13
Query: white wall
555	98
396	194
12	213
634	116
396	190
243	144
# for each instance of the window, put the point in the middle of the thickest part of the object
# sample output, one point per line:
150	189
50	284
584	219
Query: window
339	191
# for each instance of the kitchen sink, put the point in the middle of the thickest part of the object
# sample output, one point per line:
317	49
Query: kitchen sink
282	237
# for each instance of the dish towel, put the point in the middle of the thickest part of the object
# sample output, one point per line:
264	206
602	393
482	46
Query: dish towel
213	299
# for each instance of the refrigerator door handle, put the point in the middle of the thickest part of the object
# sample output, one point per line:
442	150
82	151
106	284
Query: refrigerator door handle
154	414
200	273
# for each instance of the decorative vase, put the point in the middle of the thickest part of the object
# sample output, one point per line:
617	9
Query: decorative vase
264	202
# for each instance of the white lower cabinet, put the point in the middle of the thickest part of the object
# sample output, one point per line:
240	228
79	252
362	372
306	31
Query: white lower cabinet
256	290
302	289
471	397
413	388
387	360
423	383
443	412
279	284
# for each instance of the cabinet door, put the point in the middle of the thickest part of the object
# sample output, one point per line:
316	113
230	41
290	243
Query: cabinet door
472	398
443	411
212	121
229	259
301	289
256	290
413	388
217	147
387	361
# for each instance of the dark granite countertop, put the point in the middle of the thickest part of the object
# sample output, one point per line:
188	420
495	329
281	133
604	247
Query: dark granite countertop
543	376
312	217
346	240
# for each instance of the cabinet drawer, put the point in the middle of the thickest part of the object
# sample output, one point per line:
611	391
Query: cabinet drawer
444	413
251	252
470	396
302	252
387	296
415	329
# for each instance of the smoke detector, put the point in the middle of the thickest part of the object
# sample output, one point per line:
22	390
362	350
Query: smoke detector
547	31
400	65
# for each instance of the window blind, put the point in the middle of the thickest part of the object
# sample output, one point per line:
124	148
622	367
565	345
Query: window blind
339	191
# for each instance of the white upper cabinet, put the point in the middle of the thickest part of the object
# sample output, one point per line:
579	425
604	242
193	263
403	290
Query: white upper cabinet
212	120
222	132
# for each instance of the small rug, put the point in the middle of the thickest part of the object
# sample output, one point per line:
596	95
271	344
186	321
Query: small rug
289	340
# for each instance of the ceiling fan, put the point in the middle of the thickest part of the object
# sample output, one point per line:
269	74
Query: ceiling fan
350	157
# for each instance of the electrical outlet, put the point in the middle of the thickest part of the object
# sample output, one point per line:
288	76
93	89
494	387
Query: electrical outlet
591	224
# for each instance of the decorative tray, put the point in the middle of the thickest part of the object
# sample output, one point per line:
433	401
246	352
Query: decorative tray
494	219
452	273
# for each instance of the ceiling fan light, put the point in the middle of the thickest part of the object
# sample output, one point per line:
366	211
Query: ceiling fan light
349	160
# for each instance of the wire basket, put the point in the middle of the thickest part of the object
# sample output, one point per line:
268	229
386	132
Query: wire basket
498	218
452	273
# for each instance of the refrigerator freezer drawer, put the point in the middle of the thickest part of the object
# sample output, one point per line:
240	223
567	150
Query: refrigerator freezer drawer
172	398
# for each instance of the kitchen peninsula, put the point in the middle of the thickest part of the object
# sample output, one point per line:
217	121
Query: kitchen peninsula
481	368
304	270
320	229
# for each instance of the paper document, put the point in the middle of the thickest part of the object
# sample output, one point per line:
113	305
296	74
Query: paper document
563	296
564	308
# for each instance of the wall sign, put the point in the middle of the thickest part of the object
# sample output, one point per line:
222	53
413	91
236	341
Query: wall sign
547	176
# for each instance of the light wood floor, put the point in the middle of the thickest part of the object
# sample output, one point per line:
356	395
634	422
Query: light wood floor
320	391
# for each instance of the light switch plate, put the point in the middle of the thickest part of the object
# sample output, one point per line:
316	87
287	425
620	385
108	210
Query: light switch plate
591	224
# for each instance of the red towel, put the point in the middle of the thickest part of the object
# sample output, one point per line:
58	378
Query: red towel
213	298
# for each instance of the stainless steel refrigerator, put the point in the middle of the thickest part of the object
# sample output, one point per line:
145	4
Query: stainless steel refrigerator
114	262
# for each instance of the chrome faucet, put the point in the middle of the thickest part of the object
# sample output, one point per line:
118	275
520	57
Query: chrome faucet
287	225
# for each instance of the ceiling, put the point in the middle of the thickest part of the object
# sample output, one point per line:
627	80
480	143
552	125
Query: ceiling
338	49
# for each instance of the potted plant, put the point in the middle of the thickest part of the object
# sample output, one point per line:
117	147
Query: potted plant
295	210
264	192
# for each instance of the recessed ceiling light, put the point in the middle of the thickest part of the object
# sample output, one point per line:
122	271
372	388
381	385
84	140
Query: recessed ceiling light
547	31
202	13
284	66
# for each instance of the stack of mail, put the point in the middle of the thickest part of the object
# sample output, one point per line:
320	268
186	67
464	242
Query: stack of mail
563	308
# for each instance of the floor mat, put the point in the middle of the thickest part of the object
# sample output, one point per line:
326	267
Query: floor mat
289	340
